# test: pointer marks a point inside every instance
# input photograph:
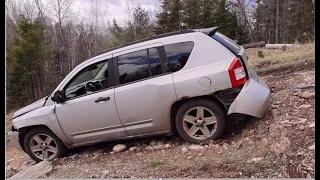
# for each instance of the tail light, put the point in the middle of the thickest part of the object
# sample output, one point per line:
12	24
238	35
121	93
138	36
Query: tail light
237	73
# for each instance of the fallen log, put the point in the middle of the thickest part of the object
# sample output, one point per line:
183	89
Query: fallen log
254	45
35	171
279	46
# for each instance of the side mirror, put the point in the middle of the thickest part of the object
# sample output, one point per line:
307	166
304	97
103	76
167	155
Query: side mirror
58	97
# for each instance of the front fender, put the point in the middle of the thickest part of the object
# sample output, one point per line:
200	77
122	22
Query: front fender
41	116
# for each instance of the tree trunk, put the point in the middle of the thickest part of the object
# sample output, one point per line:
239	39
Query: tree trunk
277	22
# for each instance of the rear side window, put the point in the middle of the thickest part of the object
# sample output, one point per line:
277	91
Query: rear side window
178	54
227	42
133	66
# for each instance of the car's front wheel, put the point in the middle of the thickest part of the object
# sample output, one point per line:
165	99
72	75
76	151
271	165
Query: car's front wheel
41	144
200	120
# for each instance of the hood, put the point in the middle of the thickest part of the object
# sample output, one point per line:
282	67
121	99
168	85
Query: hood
30	107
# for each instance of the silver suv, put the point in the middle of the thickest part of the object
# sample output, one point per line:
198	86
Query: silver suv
189	81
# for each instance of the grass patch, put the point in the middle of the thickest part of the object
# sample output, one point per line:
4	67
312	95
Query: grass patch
264	60
154	163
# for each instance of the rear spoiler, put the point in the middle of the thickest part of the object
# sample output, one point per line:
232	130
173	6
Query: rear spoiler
208	31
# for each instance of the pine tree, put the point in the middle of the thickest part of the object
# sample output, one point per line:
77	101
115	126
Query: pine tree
227	23
24	59
170	19
191	15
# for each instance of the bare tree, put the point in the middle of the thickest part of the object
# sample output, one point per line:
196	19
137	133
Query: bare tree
131	5
277	22
242	7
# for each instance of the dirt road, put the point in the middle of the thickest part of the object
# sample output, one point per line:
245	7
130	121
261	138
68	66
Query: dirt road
279	145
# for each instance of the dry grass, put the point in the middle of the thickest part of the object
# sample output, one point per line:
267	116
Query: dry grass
8	121
275	59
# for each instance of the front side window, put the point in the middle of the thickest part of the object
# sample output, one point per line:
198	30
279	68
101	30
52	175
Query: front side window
88	80
178	54
133	66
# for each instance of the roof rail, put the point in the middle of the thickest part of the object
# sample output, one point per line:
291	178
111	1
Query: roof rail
208	31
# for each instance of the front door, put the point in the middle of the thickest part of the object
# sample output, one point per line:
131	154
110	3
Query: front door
89	113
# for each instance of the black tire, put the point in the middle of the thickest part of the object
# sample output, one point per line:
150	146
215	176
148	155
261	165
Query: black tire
61	148
215	108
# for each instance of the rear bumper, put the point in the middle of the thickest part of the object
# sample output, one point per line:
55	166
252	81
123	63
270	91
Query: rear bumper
253	99
14	139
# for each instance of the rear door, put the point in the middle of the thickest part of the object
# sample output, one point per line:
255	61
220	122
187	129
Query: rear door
144	92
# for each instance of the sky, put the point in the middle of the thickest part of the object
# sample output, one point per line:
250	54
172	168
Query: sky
112	8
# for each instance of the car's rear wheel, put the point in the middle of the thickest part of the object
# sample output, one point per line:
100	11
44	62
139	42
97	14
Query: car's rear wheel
200	120
41	143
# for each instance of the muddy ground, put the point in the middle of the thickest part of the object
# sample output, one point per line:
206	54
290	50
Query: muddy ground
279	145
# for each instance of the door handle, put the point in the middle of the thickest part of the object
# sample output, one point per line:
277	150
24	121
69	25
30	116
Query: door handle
102	99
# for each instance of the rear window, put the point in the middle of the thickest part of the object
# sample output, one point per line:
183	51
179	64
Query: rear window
178	54
227	42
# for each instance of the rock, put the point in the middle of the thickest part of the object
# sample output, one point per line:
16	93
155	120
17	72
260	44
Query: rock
312	147
304	86
104	173
112	152
300	153
284	157
87	170
95	156
134	148
255	159
225	146
57	167
288	116
149	148
276	103
160	146
311	125
284	122
214	146
304	106
240	173
309	176
307	95
74	157
184	150
160	143
206	146
309	168
167	146
189	157
119	147
200	154
35	171
196	147
302	120
153	143
275	113
301	127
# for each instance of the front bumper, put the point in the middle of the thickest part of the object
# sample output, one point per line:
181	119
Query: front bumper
14	139
253	99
